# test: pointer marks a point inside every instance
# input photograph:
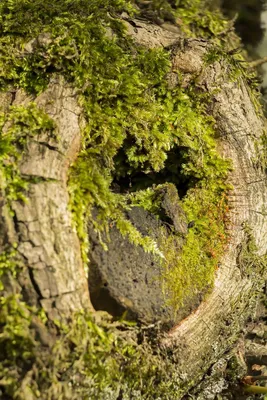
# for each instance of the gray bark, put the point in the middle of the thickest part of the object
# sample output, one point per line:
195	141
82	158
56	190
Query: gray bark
42	226
201	338
50	247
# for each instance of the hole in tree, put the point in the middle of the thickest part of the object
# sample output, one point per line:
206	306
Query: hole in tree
128	179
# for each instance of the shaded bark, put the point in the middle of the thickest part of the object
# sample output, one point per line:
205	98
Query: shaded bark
49	246
206	334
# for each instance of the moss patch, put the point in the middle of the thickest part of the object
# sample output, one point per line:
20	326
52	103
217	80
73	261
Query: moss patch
196	18
192	272
17	126
89	359
134	123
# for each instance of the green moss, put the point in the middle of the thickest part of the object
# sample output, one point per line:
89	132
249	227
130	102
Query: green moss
18	126
85	358
88	360
196	18
9	264
190	272
134	122
199	20
15	340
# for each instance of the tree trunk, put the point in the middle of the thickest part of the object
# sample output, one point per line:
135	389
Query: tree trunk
41	226
205	334
48	245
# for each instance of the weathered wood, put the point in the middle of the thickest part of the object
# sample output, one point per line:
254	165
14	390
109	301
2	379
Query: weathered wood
207	333
42	226
49	245
200	340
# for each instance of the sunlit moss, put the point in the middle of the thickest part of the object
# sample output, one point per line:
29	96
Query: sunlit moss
21	123
133	120
128	109
192	270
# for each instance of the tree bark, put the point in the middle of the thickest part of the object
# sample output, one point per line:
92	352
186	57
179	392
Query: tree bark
207	333
41	226
49	245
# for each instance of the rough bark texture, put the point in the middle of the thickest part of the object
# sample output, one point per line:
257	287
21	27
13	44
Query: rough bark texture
42	225
50	247
206	334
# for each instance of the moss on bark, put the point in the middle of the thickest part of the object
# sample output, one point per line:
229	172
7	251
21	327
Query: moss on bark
133	123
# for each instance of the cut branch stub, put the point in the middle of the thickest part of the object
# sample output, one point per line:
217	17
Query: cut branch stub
200	339
207	333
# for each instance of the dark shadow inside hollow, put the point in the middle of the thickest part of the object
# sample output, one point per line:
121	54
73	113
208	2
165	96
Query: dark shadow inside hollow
102	300
127	179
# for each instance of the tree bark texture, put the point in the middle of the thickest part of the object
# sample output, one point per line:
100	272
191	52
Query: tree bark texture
206	334
42	225
50	247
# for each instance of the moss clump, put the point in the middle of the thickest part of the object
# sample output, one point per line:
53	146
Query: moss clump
16	343
133	120
196	18
199	20
9	264
88	359
191	272
18	125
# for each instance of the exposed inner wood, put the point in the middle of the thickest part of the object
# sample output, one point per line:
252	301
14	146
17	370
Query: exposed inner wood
50	246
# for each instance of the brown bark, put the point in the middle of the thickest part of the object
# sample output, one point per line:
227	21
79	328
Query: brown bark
50	247
42	226
207	333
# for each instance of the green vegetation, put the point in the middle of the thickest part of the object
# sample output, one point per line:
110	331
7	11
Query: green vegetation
9	264
196	18
18	125
192	272
134	121
135	125
199	20
87	360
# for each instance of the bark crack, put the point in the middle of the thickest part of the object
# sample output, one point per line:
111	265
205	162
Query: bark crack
35	284
49	146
